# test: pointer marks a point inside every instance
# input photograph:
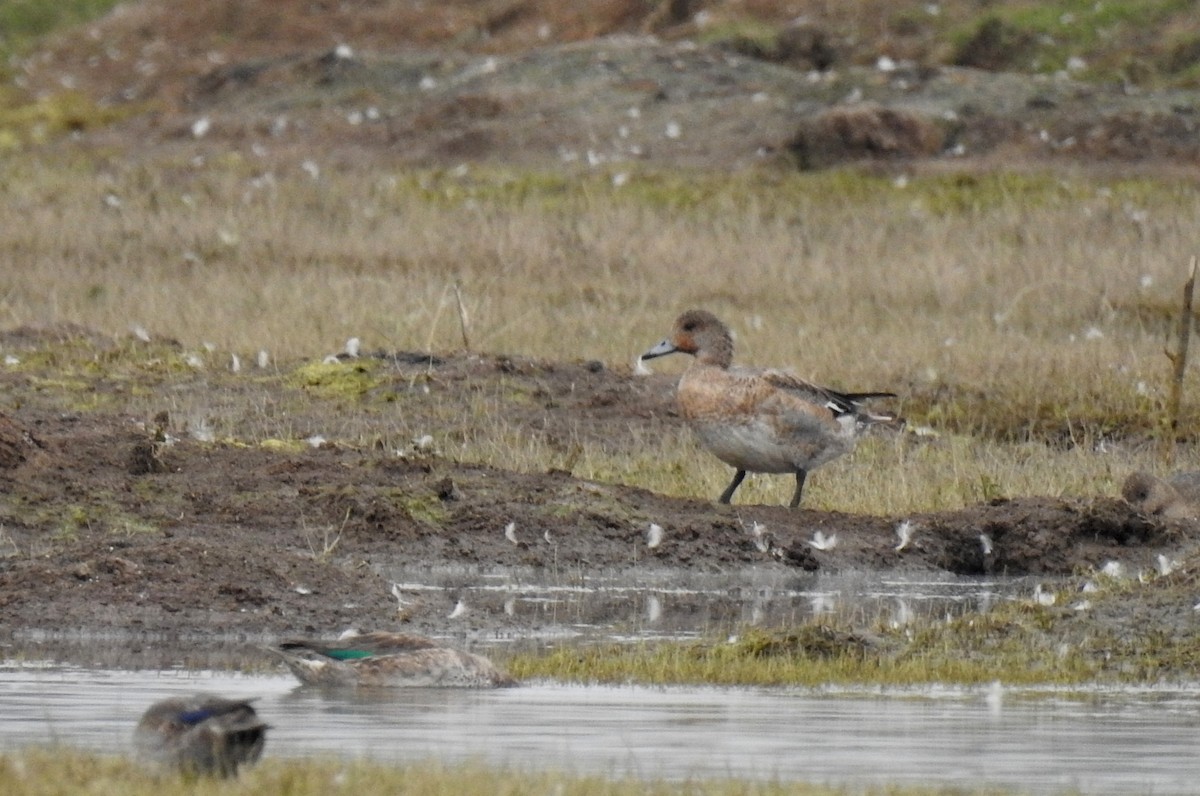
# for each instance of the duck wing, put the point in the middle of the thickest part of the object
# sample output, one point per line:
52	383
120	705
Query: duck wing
363	645
230	714
839	403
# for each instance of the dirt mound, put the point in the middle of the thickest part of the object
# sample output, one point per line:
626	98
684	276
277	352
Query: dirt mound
16	444
534	84
144	529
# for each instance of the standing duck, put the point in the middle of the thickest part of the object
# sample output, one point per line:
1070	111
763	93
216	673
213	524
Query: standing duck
760	421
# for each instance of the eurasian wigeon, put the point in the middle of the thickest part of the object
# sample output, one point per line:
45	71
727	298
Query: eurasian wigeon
762	421
201	735
388	660
1177	497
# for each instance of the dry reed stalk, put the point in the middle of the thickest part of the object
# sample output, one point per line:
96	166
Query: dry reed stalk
463	321
1178	360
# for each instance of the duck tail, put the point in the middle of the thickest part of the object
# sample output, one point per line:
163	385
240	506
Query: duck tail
859	397
847	405
891	421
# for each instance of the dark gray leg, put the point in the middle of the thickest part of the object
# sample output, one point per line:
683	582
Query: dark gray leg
800	476
727	495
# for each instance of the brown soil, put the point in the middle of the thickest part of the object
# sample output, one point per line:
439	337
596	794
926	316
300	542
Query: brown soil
614	85
110	529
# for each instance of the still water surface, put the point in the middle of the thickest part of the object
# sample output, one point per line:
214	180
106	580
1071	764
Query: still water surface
1130	741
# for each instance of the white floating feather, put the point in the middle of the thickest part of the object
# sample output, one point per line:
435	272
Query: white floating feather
822	604
904	532
201	431
654	535
510	532
201	126
653	608
995	697
762	539
460	608
986	541
1166	565
903	615
822	542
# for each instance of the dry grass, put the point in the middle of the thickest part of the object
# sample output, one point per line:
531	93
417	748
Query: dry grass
1023	310
982	281
61	771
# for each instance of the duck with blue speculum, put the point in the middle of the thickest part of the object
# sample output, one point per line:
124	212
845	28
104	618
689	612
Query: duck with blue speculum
380	659
760	421
201	735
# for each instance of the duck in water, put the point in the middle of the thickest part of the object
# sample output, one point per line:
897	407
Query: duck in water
201	735
388	660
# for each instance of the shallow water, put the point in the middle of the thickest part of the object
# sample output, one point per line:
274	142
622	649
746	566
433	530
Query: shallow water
1130	741
678	603
525	610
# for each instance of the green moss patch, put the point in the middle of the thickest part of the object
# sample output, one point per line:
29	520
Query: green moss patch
350	380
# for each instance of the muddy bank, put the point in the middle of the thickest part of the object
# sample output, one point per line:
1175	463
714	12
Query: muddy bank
111	530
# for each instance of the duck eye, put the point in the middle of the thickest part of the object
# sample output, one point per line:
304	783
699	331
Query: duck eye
690	326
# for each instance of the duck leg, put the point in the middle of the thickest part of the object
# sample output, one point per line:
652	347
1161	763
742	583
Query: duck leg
800	476
727	495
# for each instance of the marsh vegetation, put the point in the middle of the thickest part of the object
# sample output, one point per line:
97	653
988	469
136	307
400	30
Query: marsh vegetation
1021	318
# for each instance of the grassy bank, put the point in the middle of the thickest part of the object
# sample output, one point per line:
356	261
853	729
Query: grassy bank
60	771
1020	317
1060	639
